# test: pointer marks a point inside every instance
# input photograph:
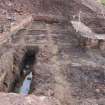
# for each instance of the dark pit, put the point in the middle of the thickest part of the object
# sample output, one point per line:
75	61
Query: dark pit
26	67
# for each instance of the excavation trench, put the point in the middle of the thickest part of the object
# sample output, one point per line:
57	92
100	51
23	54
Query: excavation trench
23	84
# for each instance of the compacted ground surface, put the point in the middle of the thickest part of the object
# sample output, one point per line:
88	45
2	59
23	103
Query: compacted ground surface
67	61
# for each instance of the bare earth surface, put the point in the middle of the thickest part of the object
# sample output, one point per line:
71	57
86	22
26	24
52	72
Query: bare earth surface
68	39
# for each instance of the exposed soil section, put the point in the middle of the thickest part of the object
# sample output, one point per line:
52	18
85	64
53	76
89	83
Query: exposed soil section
65	63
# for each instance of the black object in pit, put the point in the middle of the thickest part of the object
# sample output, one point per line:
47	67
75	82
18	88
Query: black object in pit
28	60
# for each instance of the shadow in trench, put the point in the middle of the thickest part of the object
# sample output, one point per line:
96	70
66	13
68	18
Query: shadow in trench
26	66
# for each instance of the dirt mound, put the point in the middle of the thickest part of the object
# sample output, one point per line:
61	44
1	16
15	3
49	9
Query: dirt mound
15	99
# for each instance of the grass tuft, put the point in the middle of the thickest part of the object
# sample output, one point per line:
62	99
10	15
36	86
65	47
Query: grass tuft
103	2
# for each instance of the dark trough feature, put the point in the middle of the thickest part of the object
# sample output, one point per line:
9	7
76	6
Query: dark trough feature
23	84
